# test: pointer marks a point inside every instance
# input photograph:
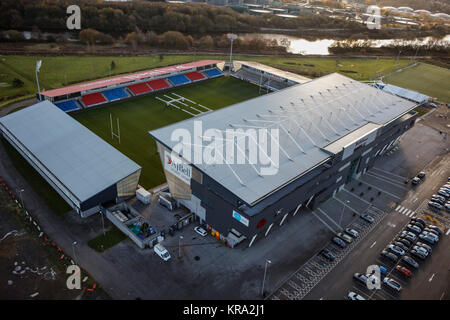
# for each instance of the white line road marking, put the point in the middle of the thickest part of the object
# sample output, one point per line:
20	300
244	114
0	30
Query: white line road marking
431	278
442	295
398	207
389	173
415	199
409	212
402	209
373	245
448	232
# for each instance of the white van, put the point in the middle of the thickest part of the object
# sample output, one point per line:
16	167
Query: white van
161	251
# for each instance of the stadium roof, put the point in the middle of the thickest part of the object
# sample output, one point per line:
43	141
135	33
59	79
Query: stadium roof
281	73
309	117
79	159
126	78
407	94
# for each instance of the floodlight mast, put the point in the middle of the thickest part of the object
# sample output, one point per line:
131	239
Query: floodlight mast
232	37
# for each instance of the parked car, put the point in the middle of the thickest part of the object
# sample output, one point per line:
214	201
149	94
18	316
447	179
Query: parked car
391	283
433	227
419	220
418	254
404	241
431	235
401	245
444	193
354	296
438	200
360	277
438	197
417	224
415	181
435	205
339	242
421	175
367	218
397	250
413	228
383	270
404	271
423	245
345	237
447	206
161	251
409	235
427	239
327	254
200	231
352	232
421	249
429	230
410	261
389	255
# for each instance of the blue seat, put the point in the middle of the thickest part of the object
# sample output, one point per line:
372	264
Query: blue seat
67	106
213	72
179	79
115	94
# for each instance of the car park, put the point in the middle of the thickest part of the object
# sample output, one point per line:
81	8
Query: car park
438	197
410	261
413	228
367	218
354	296
339	242
161	251
327	254
360	277
389	255
404	271
427	239
345	237
438	200
443	193
415	180
391	283
352	232
401	245
418	254
435	205
397	250
200	231
423	245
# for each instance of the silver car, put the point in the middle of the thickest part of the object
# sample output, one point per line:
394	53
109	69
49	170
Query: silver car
352	232
391	283
396	249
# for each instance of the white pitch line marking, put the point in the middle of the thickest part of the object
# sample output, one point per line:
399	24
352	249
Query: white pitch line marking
431	278
373	244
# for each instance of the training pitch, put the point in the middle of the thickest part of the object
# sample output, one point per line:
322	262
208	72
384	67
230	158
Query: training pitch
139	115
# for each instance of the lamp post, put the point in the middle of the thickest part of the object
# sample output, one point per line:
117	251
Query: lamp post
73	249
232	37
264	279
179	246
38	66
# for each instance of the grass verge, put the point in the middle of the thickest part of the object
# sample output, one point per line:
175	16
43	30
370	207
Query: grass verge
106	241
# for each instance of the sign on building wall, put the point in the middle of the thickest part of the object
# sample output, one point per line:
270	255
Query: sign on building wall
177	167
240	218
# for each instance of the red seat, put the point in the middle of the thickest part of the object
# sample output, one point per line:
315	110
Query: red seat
140	88
158	84
194	76
93	98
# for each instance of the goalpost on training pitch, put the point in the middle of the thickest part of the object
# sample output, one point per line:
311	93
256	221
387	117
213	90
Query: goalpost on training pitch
113	134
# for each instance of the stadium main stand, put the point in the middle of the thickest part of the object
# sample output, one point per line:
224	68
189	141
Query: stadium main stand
158	84
140	88
93	99
194	76
67	106
179	79
115	94
213	72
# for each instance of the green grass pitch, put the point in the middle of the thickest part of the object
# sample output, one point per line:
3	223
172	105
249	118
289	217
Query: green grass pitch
139	115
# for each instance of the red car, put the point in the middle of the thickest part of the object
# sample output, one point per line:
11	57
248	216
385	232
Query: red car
404	271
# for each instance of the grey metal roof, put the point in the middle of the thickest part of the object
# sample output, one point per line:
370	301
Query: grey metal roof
405	93
79	159
308	116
